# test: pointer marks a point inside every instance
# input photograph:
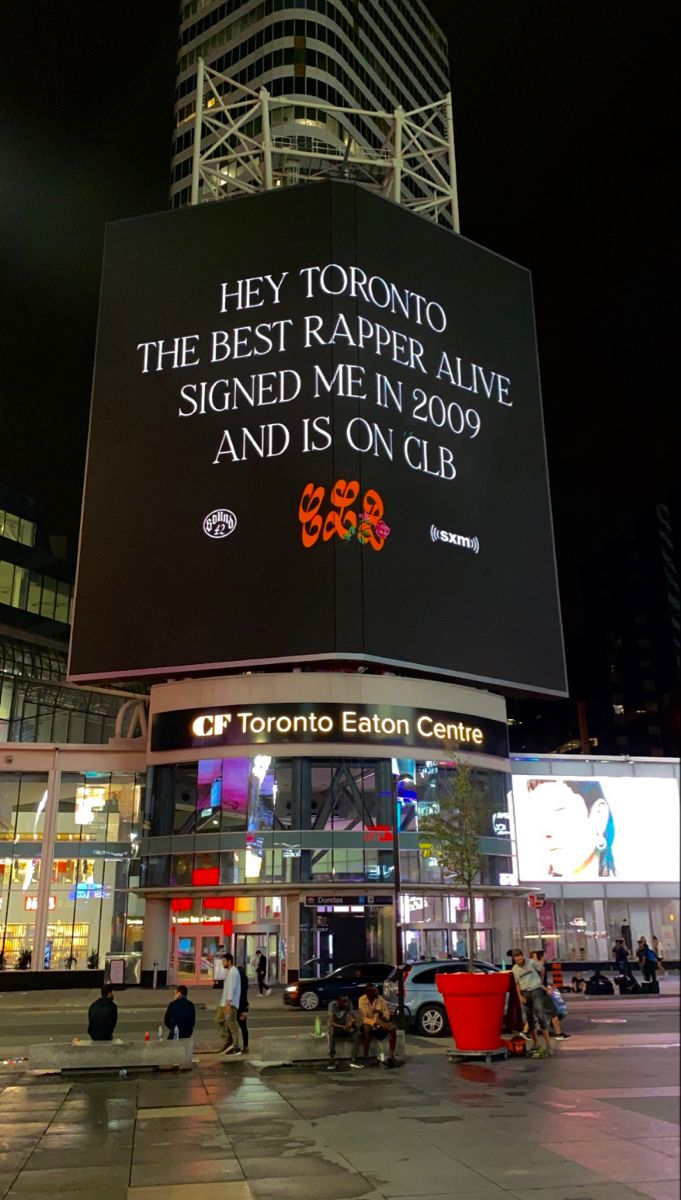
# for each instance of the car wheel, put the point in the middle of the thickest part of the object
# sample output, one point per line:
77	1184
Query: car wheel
309	1001
431	1021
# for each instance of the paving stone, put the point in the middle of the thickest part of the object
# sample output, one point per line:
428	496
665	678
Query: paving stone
196	1112
161	1152
325	1187
298	1166
65	1181
189	1172
236	1190
625	1161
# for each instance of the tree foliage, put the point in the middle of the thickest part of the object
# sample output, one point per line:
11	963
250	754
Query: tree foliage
455	831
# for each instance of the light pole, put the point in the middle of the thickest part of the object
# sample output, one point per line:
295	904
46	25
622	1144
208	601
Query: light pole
397	879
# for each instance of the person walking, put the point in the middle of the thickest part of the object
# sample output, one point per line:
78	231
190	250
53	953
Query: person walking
261	973
226	1016
180	1014
242	1011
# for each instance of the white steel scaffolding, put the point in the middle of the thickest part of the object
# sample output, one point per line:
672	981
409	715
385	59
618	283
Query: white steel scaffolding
248	141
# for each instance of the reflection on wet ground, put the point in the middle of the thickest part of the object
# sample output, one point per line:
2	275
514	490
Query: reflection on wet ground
601	1125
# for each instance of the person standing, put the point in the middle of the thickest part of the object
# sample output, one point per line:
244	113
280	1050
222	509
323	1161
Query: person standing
180	1014
531	993
261	973
657	948
621	957
219	967
242	1010
226	1017
103	1015
647	960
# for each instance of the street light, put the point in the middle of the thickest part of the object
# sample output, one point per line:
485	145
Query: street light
399	953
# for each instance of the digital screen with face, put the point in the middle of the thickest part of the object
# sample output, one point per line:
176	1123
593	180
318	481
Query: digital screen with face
316	434
575	830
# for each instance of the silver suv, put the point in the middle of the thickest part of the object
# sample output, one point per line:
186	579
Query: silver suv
423	1005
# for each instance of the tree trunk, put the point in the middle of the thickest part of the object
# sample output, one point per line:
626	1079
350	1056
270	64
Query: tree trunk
471	931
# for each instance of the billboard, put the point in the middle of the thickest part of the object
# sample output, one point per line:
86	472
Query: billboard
316	433
611	828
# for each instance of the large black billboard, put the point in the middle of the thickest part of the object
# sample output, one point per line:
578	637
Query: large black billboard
316	433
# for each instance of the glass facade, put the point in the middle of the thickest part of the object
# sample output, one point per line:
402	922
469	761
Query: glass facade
299	820
90	861
584	928
34	592
259	852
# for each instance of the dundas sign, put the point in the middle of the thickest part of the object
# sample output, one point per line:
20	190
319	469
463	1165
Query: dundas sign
258	724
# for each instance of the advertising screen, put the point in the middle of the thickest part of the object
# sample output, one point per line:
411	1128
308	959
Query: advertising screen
578	830
316	433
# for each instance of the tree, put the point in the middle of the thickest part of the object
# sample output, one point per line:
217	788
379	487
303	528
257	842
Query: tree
463	818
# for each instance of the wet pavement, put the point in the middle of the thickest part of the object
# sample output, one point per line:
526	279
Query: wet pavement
598	1121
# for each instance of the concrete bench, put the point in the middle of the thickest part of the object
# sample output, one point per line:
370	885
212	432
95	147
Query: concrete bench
116	1055
305	1047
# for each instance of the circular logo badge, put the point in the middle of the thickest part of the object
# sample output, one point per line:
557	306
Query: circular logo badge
219	523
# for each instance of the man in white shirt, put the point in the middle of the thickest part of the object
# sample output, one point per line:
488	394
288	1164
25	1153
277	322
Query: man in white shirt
531	991
226	1015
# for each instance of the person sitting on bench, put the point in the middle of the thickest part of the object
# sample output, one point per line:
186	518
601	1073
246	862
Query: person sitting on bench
342	1025
103	1015
376	1022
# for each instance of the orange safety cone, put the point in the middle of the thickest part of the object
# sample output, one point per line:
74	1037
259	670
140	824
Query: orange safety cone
557	975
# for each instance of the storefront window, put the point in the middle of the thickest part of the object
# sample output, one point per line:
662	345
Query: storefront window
87	900
22	806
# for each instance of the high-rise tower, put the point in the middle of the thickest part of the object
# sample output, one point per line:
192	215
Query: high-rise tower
361	54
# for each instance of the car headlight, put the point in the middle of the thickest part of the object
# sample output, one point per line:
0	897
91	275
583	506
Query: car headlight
292	989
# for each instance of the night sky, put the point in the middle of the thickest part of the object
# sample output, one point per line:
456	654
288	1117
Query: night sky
566	122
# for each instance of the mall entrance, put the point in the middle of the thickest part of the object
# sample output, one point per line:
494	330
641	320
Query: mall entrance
335	931
193	950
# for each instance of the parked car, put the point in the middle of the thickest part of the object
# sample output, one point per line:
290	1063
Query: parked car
423	1005
352	979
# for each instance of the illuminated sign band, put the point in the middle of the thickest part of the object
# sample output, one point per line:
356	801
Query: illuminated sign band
257	724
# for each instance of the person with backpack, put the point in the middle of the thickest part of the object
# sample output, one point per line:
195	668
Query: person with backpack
648	961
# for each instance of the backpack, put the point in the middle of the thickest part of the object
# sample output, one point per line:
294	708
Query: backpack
651	955
559	1003
598	985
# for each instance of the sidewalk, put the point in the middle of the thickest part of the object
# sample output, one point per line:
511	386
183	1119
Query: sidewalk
596	1125
127	998
138	997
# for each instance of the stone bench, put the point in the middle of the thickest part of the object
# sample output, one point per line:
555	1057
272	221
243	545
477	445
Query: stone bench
86	1055
305	1047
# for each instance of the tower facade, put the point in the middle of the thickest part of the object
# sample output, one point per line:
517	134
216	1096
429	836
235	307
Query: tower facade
354	54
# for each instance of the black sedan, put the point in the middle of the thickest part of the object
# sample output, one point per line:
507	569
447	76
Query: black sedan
310	994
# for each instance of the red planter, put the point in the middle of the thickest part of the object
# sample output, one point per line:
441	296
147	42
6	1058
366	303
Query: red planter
475	1007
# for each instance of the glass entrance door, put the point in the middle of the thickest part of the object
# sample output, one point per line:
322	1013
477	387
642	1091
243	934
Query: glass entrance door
194	954
245	946
185	959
